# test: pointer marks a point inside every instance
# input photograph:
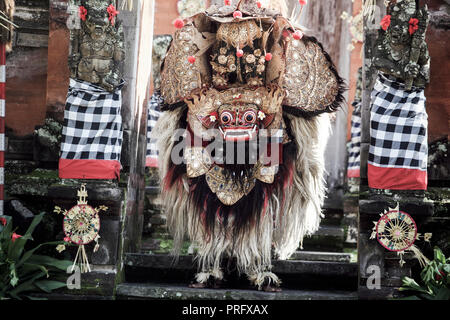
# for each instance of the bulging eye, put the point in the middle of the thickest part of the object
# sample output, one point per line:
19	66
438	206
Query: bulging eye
250	116
226	117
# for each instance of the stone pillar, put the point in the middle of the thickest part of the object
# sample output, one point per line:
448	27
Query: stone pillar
121	224
374	260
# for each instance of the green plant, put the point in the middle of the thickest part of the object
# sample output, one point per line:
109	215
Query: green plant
435	277
23	272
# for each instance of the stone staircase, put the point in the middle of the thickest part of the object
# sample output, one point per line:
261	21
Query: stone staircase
322	271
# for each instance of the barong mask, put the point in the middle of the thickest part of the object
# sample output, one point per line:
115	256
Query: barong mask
241	73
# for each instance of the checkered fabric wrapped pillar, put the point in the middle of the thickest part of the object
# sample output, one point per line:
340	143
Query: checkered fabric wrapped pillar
153	113
398	137
92	133
355	142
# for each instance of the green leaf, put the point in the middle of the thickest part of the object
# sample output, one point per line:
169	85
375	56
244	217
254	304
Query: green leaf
27	255
411	284
28	268
49	261
27	285
438	255
36	220
49	285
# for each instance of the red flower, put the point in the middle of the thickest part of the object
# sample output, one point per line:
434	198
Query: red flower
15	236
227	2
239	53
268	56
82	12
413	25
178	23
302	2
3	221
67	239
297	35
385	22
258	4
439	276
237	14
112	13
191	59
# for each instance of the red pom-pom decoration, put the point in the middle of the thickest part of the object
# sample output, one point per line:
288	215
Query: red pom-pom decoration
227	2
191	59
239	53
258	4
178	23
297	35
268	56
237	14
302	2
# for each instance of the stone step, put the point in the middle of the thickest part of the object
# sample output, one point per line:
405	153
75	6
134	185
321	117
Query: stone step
327	238
294	273
168	291
186	262
321	256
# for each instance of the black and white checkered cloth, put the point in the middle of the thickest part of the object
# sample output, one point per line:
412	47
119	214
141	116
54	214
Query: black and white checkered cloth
398	127
354	149
92	123
153	114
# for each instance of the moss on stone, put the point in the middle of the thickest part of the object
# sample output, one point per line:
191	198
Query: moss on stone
35	183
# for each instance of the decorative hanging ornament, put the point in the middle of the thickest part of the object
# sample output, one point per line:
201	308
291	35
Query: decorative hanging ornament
82	12
385	22
413	25
112	13
81	226
397	231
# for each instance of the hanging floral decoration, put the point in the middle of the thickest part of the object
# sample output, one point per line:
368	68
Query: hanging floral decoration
81	226
413	25
385	22
112	13
82	13
397	231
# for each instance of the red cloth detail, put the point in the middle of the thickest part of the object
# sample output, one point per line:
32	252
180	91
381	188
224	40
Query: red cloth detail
396	178
353	173
151	162
89	169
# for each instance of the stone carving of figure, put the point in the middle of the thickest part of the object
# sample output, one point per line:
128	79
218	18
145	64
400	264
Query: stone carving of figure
401	50
97	49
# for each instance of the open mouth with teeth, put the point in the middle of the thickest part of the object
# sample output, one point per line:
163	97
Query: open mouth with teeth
239	133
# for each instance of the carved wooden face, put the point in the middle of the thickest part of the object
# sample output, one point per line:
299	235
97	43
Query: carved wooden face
399	31
97	15
238	122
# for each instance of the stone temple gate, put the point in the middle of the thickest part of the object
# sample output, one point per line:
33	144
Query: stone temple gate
132	261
